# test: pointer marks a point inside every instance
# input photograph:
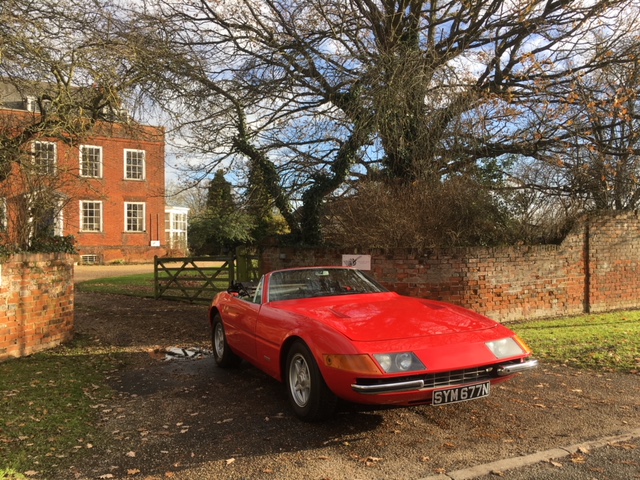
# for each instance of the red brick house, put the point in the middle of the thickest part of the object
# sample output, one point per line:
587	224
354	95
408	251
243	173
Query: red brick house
107	189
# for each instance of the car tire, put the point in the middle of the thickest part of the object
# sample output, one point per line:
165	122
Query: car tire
222	354
310	397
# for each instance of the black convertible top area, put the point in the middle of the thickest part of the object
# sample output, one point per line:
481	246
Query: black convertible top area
319	282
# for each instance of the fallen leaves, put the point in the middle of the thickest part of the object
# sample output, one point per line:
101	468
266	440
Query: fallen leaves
625	446
371	461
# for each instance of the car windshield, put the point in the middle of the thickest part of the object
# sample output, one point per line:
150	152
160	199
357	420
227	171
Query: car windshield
321	282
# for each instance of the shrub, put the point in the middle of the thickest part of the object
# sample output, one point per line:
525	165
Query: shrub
54	244
455	212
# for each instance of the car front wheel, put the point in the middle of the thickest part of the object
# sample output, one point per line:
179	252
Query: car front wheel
222	354
308	393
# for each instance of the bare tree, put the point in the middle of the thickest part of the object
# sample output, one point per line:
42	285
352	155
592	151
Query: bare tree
316	93
599	119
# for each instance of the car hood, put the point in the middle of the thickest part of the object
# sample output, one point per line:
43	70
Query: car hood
388	316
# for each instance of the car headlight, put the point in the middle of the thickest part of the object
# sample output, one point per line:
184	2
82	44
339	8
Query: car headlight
505	348
399	362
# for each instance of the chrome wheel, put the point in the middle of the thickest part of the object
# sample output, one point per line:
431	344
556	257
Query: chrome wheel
218	340
308	393
299	380
222	353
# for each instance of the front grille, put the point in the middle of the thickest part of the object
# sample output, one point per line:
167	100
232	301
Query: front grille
438	380
458	377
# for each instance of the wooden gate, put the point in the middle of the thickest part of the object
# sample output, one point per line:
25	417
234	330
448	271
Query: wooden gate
199	279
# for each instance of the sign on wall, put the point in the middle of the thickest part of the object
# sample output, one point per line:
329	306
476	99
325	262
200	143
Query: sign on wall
361	262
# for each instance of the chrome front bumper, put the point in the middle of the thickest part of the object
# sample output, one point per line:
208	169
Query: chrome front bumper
504	370
389	387
419	384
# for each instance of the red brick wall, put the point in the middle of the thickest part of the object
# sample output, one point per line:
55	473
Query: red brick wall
614	262
36	303
509	283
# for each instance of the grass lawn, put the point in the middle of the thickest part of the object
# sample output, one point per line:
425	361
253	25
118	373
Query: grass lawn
49	405
134	285
51	401
603	342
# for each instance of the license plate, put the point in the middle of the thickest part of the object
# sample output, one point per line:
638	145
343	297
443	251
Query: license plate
461	394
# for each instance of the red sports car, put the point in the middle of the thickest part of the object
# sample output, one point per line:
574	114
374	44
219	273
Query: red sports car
333	332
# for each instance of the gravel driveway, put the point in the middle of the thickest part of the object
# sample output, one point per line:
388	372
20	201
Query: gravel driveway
82	273
188	419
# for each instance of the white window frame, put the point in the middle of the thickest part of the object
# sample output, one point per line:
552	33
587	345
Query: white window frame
176	225
58	228
52	166
127	167
89	259
31	104
97	148
58	218
143	218
100	213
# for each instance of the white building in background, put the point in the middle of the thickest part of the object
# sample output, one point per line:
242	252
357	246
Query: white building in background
175	228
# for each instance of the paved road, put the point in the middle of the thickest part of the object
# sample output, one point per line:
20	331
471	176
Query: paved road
90	272
609	458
